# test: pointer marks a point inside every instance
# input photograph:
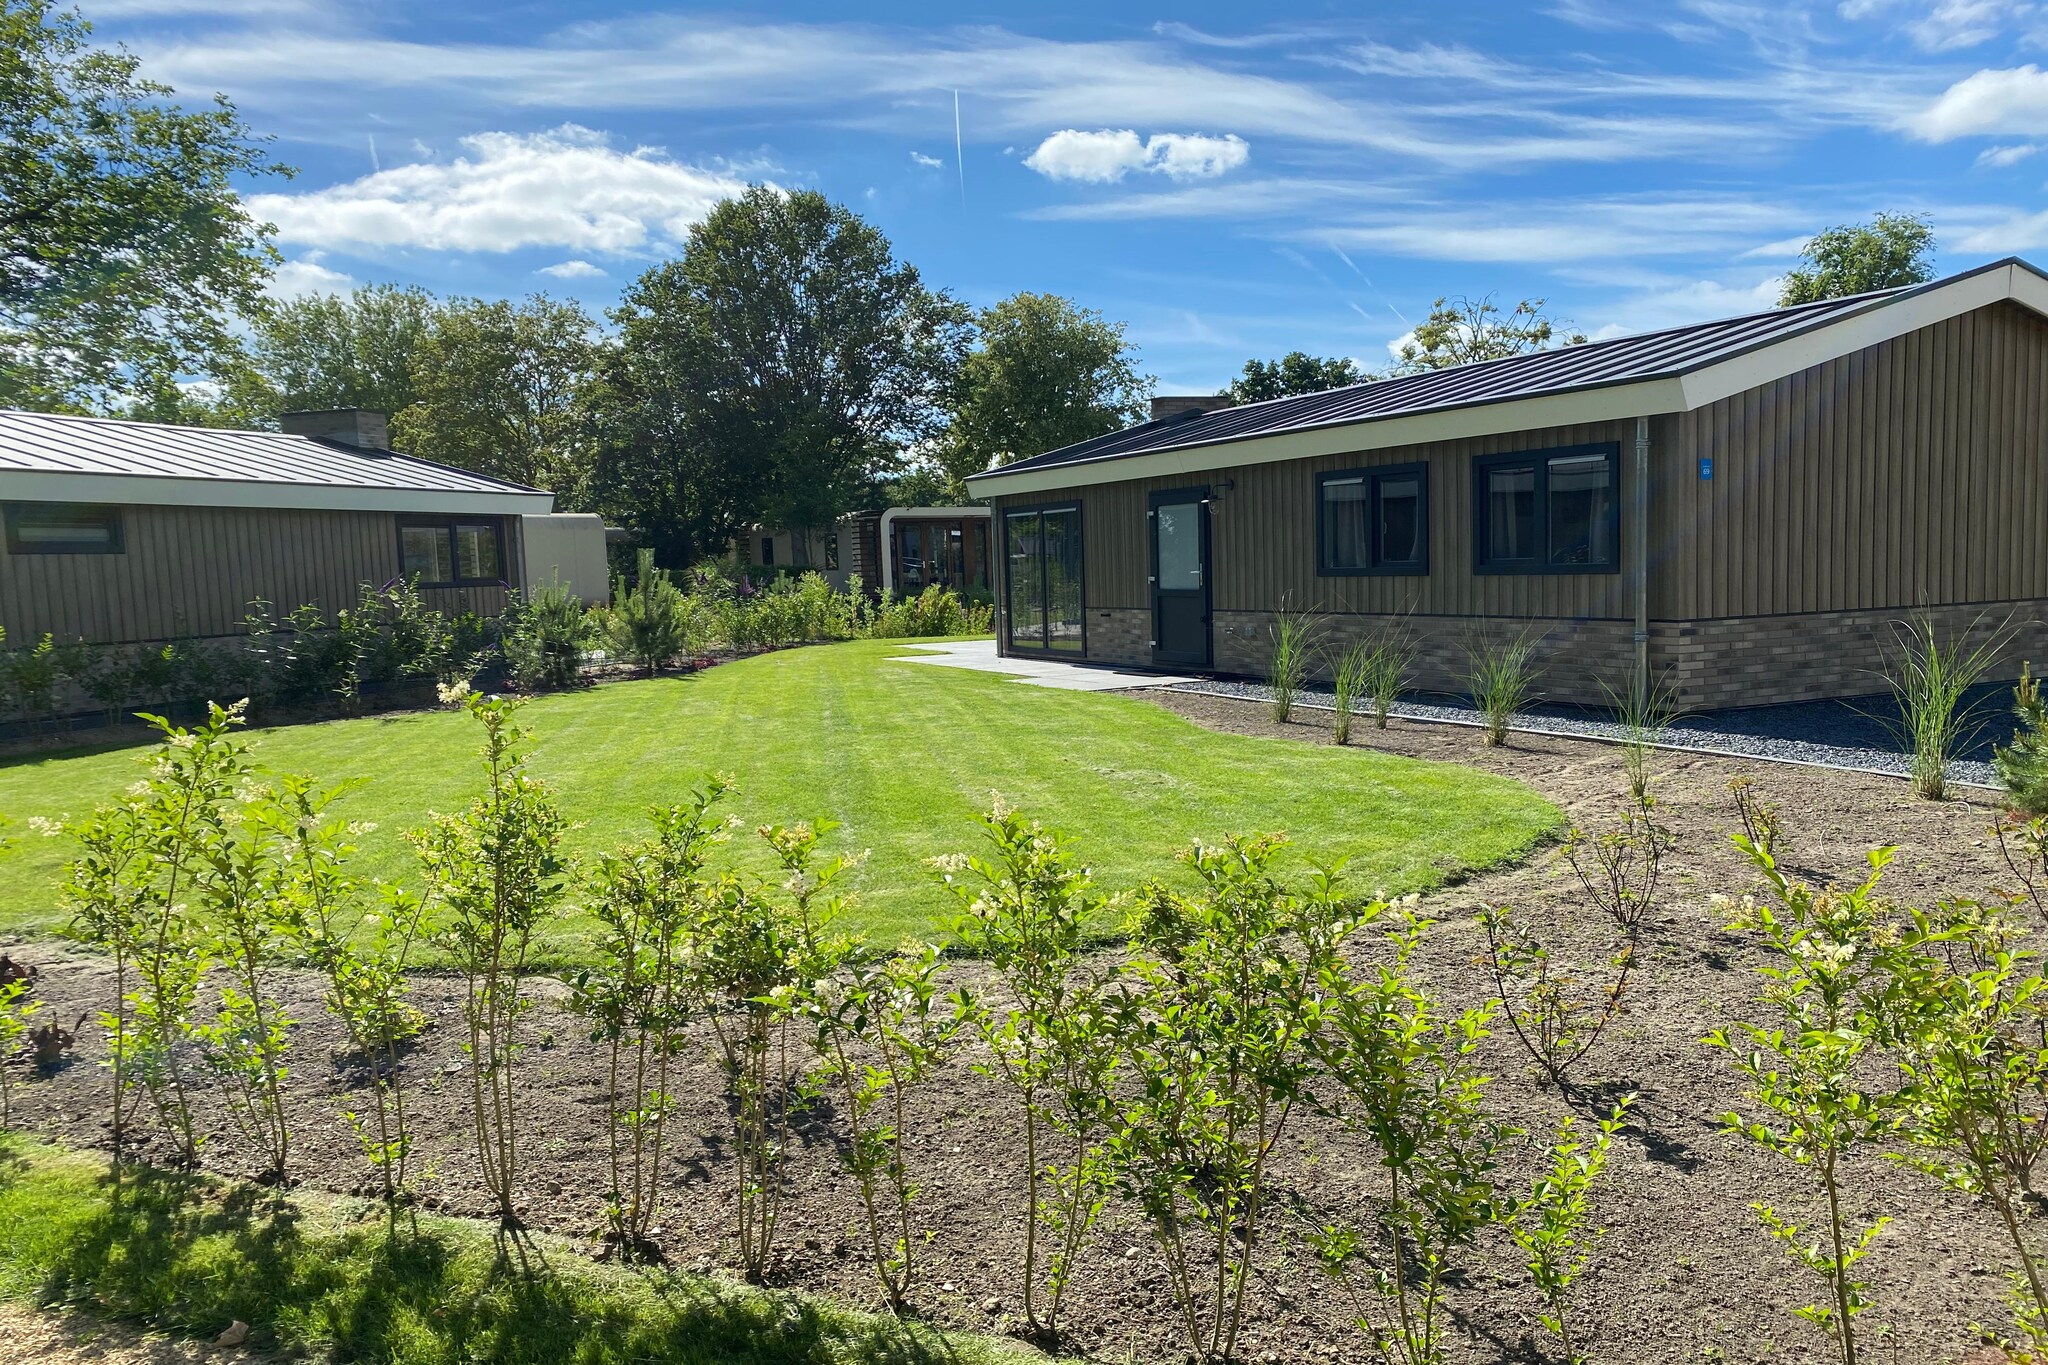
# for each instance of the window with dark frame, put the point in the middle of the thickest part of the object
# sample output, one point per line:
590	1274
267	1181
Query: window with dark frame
457	552
1547	511
63	528
1373	521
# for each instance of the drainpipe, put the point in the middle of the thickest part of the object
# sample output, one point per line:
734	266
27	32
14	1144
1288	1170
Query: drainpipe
1640	548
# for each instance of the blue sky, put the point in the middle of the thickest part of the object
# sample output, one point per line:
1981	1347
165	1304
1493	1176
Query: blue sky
1228	185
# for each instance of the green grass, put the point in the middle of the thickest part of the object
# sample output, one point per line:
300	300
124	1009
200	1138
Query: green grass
327	1276
902	755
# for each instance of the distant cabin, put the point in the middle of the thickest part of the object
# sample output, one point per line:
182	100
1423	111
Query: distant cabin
1746	507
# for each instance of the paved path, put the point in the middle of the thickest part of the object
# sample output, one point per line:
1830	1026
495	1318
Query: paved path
981	657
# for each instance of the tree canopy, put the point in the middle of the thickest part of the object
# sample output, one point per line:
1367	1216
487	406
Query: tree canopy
1891	249
772	374
125	253
1046	373
1460	330
1295	373
355	350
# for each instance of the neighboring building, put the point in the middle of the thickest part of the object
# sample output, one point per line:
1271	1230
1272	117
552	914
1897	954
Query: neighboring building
905	550
1746	506
129	531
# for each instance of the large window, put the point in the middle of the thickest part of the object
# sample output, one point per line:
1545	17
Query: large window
1043	546
62	528
1373	521
452	553
1547	511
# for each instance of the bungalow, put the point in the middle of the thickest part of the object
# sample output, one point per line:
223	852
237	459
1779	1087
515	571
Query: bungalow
1744	508
120	532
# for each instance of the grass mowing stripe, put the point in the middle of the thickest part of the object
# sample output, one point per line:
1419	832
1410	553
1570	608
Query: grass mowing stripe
901	754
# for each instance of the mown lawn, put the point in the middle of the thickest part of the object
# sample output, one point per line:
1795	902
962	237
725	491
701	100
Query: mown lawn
320	1276
901	755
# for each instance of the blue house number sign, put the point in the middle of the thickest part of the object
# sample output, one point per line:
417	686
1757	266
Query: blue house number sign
1706	466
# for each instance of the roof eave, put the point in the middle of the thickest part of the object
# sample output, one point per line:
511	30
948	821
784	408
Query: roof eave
130	490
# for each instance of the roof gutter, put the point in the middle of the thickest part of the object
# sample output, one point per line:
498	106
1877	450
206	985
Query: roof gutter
133	490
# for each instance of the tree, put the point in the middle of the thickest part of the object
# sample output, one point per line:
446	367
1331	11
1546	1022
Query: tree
1295	373
496	388
1890	250
1046	374
351	350
770	375
1461	330
125	252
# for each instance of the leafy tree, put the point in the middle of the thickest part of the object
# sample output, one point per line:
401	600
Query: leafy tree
125	252
770	375
1295	373
1461	330
351	350
496	387
1890	250
1046	374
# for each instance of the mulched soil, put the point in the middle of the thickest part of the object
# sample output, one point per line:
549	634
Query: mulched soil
1684	1274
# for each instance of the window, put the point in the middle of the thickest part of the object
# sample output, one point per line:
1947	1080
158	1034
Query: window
62	528
1373	521
1547	511
767	549
1043	547
446	554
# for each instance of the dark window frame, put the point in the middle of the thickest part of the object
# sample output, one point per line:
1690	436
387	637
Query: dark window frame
1542	565
1000	519
115	544
447	526
1376	567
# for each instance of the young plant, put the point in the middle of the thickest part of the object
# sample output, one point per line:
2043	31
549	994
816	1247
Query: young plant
127	888
1550	1224
361	946
652	622
1620	869
494	873
646	895
1556	1011
1025	906
1405	1080
2023	843
883	1033
1218	1054
1971	1013
1502	677
544	632
1758	817
1370	675
1295	635
2022	766
1930	679
1644	710
1808	1073
18	1005
755	958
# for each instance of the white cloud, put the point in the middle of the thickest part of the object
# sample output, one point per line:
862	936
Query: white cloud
296	279
928	162
572	270
1998	158
1784	249
2012	102
564	188
2008	237
1112	153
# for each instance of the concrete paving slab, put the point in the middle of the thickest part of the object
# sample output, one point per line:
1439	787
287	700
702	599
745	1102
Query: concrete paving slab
980	656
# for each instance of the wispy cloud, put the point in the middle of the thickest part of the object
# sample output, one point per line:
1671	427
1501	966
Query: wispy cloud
565	188
572	270
932	163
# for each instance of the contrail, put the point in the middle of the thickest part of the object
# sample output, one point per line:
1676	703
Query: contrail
959	153
1375	288
375	164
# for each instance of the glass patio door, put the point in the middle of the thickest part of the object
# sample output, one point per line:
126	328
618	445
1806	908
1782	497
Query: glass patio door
1043	551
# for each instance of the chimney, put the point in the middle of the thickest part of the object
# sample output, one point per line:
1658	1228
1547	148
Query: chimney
357	427
1173	406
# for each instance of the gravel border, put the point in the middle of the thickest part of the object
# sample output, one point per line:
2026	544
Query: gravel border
1692	734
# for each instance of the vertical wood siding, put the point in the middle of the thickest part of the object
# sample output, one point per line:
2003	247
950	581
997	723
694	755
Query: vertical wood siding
195	570
1913	473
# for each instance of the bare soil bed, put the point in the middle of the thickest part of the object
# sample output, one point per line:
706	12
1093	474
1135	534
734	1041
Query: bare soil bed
1684	1274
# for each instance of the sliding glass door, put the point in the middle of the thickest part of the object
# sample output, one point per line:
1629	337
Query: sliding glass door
1043	547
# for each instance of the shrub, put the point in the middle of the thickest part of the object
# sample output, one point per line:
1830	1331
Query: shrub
494	872
1930	679
1758	817
1295	637
1502	678
29	677
1549	1225
1025	908
544	633
18	1005
1557	1011
2022	766
652	622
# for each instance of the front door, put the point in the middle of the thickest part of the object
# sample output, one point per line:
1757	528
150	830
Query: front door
1180	578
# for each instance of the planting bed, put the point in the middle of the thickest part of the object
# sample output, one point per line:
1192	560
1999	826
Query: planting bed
1684	1274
